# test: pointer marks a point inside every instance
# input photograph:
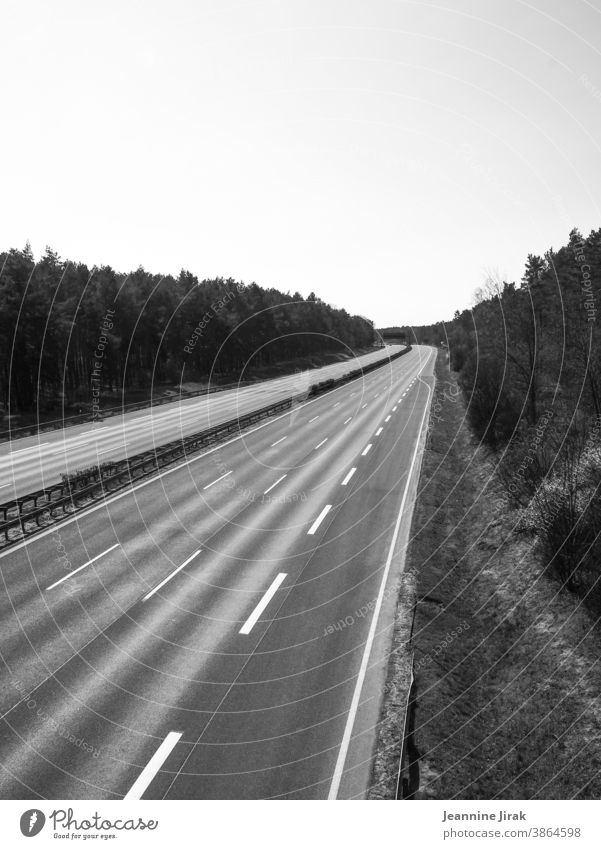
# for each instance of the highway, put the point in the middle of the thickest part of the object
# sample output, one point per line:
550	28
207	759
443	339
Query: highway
220	630
31	463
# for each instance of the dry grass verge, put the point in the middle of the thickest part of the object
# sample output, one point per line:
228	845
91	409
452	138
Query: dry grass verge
506	661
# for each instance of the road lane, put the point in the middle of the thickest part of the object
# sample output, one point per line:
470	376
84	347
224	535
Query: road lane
175	510
31	463
128	672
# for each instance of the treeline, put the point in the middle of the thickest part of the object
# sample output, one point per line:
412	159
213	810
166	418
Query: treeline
529	363
72	333
426	334
392	332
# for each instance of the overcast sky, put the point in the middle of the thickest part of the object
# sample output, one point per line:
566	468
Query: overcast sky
385	154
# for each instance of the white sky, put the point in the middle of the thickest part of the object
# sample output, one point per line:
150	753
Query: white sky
383	153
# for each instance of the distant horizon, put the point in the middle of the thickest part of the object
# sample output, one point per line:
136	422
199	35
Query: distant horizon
38	253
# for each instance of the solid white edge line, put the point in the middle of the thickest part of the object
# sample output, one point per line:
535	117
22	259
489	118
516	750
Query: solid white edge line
141	783
366	450
171	575
319	519
128	492
79	568
209	485
273	588
319	444
269	488
348	730
349	476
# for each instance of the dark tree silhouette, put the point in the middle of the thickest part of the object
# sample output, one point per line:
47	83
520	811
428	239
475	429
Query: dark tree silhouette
66	329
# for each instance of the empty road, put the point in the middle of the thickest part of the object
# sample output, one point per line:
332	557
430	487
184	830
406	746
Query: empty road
34	462
222	629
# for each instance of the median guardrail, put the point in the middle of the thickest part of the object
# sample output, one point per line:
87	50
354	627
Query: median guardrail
22	516
331	383
21	431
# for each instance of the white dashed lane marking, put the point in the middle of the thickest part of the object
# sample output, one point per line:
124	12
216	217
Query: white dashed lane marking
153	766
254	616
79	568
319	519
273	485
171	575
209	485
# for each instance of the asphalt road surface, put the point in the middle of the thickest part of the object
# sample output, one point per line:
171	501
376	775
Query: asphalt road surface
221	630
34	462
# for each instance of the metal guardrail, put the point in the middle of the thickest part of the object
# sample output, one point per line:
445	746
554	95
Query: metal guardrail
408	776
408	779
108	412
103	480
332	382
23	514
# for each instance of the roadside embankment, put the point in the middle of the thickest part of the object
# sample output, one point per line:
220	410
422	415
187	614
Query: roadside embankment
506	663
